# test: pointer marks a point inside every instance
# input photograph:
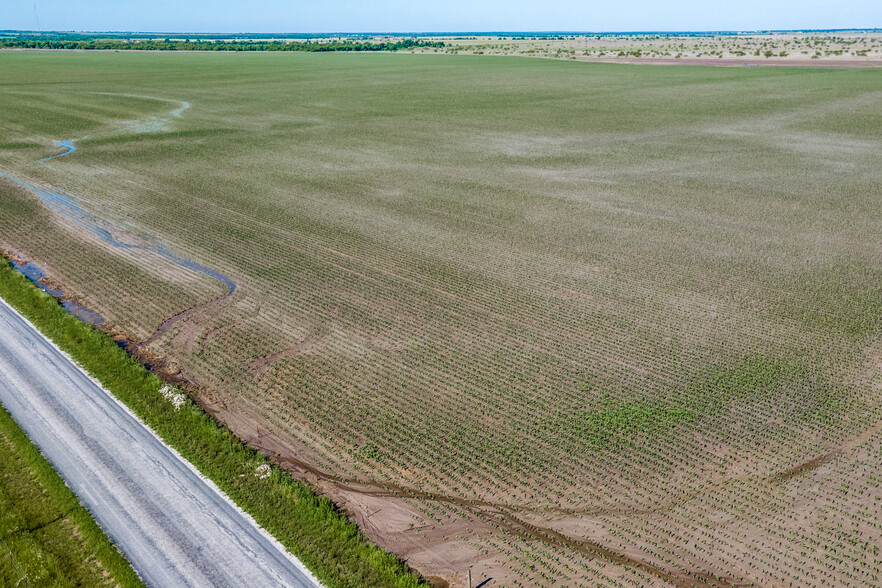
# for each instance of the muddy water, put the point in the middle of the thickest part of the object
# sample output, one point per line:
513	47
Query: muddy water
67	206
36	274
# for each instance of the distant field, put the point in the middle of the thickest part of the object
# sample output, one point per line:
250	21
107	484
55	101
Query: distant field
563	323
47	538
810	48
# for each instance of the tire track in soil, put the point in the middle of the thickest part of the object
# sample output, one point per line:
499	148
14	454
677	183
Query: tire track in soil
503	513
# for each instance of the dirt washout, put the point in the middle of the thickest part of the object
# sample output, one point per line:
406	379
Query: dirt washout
70	208
494	515
502	515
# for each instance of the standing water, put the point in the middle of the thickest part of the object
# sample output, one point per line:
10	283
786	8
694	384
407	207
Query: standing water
36	274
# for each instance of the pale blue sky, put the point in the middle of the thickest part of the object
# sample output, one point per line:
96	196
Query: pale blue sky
444	15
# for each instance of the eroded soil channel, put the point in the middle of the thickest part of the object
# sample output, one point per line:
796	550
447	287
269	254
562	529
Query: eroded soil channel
36	274
67	206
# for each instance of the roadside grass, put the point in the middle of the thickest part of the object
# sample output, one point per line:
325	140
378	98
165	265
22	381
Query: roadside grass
308	525
47	538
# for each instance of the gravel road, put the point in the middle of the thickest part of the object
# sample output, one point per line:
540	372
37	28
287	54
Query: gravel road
175	527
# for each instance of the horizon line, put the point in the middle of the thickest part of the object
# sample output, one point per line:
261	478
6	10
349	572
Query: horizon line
450	33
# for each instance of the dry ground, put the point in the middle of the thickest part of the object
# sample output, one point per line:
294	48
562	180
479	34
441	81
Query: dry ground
849	49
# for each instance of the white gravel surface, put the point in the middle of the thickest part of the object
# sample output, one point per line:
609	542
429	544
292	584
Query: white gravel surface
176	527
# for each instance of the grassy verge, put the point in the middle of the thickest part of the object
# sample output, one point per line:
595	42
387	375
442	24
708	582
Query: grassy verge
47	538
309	526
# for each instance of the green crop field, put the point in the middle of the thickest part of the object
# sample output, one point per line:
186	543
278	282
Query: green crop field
560	323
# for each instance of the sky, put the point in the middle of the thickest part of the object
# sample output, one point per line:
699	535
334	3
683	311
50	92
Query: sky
319	16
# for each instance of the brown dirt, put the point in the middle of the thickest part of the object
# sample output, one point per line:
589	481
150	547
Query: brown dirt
387	514
806	466
260	365
169	322
433	554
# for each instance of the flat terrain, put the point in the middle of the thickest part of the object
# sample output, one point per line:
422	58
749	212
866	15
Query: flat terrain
46	537
846	48
559	322
176	529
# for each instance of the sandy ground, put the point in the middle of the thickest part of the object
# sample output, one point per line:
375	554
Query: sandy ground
733	62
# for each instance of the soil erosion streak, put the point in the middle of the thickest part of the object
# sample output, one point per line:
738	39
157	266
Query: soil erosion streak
502	514
69	207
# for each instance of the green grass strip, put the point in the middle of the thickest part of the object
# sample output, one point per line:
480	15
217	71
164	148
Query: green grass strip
47	538
308	525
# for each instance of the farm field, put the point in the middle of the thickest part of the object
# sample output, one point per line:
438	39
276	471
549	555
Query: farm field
560	323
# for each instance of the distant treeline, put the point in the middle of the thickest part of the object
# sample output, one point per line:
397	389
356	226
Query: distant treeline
169	45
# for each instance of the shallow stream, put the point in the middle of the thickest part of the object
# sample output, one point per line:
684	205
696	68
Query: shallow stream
36	274
67	206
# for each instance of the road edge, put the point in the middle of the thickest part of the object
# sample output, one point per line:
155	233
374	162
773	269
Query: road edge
187	430
275	542
113	560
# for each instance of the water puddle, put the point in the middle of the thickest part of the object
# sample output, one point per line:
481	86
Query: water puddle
179	111
68	145
68	207
36	274
85	314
